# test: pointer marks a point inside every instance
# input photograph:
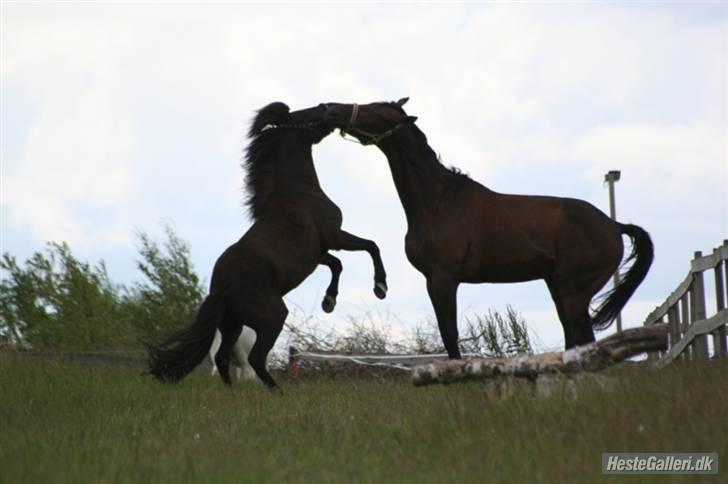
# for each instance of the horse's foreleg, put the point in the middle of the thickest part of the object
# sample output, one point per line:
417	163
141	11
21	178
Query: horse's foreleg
332	291
347	241
443	294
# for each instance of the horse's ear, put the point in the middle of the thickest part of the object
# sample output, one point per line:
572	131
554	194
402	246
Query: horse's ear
410	119
402	101
273	114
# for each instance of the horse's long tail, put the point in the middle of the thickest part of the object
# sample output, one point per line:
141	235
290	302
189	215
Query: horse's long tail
178	355
614	300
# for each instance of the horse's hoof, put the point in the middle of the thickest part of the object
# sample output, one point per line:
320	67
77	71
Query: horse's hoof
380	290
328	304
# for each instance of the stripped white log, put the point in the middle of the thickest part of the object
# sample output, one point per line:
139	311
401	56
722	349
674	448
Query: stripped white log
386	360
592	357
549	386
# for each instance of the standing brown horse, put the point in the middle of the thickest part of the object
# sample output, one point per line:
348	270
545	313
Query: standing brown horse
295	225
460	231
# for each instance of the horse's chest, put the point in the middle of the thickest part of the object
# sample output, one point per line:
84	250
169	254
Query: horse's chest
443	250
328	222
414	248
331	215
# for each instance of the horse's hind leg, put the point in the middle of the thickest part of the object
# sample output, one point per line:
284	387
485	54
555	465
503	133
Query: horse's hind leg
230	330
244	346
213	351
576	311
267	321
568	339
572	304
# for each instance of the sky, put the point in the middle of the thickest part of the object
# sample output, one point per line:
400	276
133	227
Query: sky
117	118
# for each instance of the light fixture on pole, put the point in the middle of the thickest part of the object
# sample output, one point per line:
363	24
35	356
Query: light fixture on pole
610	178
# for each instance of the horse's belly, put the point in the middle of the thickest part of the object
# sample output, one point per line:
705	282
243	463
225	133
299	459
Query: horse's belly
508	270
498	275
293	271
289	262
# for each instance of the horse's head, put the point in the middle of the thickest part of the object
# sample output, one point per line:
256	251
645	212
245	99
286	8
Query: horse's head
278	115
369	123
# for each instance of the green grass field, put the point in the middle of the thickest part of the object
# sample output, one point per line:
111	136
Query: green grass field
60	422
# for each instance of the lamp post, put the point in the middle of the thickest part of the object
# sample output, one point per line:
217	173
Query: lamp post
610	178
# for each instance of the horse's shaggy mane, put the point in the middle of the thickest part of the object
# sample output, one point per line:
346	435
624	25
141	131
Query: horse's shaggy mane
422	139
455	170
270	115
259	178
451	172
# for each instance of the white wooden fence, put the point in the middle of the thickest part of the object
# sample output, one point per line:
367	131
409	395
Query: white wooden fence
685	311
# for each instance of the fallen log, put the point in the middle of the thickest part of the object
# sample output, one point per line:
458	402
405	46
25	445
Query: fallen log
592	357
556	386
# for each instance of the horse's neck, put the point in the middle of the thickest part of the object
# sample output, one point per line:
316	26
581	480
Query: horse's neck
418	175
295	169
282	174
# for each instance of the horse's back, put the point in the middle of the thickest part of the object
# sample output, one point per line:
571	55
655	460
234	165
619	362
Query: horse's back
514	238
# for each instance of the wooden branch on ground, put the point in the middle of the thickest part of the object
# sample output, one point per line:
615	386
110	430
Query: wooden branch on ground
592	357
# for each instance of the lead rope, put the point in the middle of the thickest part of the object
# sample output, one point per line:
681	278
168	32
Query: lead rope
350	139
290	126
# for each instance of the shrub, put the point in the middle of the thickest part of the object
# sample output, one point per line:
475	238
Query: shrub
496	335
57	301
169	297
490	335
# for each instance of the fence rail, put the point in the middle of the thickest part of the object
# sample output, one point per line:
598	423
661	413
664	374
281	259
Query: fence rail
685	311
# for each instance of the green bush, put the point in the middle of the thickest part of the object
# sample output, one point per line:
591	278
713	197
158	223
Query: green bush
54	301
496	335
491	335
169	297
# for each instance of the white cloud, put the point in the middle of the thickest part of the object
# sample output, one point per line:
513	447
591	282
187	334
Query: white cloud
80	148
683	153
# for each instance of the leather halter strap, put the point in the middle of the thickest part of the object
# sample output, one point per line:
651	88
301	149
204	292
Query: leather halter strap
371	138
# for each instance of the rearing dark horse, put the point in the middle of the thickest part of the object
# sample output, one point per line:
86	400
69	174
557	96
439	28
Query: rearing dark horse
460	231
295	225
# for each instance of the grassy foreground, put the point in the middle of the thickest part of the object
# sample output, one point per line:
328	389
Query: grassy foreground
65	423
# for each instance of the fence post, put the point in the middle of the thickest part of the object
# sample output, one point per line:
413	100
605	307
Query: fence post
674	321
698	310
294	362
685	321
654	356
719	336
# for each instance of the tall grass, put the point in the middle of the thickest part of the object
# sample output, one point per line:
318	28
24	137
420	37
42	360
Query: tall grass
65	423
